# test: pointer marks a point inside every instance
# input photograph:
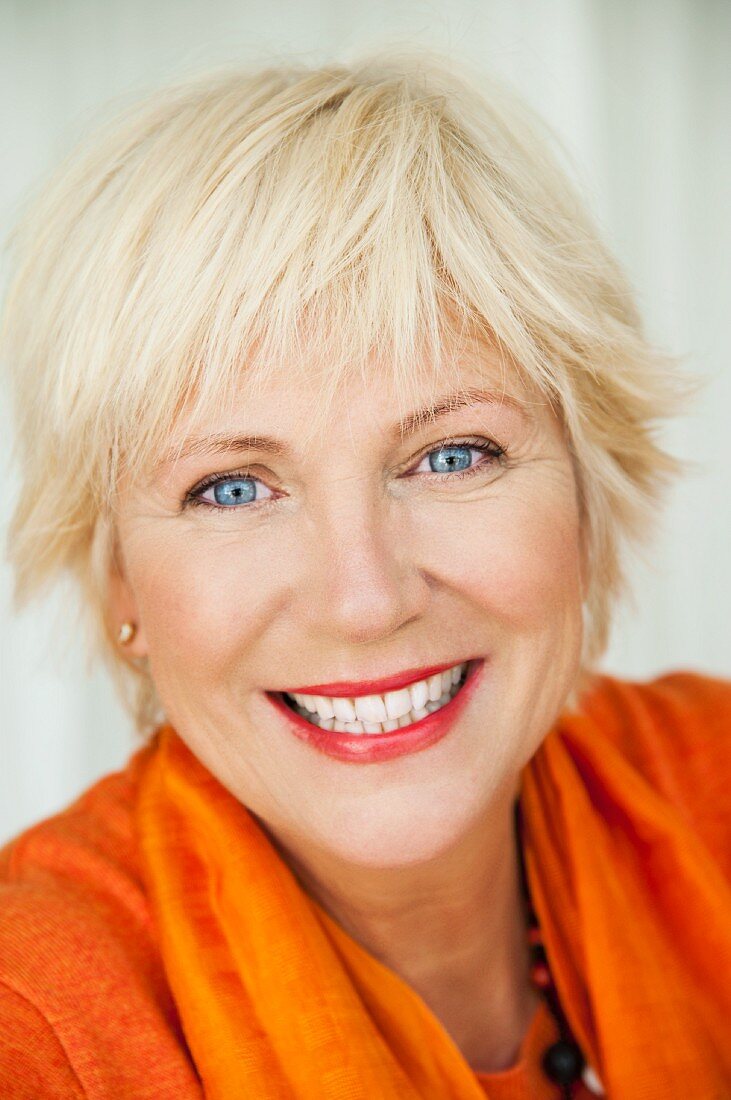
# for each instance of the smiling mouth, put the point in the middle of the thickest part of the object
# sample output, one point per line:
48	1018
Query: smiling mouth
384	713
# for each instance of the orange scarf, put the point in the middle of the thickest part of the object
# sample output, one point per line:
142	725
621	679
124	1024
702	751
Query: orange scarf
276	1000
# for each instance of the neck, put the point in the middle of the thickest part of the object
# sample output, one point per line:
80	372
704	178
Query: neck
453	929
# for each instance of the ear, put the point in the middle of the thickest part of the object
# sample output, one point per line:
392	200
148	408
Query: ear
122	607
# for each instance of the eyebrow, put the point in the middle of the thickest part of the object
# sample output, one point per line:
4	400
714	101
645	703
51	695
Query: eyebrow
413	422
408	425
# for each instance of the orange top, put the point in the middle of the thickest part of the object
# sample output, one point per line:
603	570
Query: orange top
114	918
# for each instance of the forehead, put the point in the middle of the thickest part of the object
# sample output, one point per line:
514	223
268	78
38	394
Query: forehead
290	410
309	395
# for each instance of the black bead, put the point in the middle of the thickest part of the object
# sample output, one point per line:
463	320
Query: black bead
563	1062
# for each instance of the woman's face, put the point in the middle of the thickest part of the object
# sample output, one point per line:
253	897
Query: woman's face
369	553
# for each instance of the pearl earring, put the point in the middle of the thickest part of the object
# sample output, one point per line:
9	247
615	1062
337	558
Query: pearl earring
126	633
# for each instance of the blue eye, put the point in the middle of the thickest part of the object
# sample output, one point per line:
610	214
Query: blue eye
236	490
448	459
460	459
227	493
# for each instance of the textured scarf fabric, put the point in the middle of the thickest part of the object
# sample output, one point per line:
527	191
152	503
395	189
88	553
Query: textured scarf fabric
276	1000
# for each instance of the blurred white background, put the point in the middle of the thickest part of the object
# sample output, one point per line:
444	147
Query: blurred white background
639	92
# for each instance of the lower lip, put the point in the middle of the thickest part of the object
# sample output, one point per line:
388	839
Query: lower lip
372	748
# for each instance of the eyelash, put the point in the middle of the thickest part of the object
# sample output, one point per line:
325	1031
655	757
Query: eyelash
194	497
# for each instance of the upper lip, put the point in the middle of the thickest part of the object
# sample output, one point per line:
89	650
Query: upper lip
342	688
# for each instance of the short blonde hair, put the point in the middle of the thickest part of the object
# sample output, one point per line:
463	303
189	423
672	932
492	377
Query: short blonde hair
326	215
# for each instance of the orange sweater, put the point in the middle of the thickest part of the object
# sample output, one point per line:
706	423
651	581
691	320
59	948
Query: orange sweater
86	1008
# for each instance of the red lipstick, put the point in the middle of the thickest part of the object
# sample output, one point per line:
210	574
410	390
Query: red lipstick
373	748
345	688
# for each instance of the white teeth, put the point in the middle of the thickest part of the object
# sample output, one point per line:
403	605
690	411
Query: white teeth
376	714
344	710
434	683
324	707
370	708
419	694
398	703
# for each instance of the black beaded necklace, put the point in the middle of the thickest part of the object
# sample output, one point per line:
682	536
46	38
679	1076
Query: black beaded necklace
563	1061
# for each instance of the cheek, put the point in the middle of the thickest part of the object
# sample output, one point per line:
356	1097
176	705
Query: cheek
518	556
202	599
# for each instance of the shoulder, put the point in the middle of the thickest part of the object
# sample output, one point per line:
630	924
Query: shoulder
71	883
666	725
83	991
675	730
33	1061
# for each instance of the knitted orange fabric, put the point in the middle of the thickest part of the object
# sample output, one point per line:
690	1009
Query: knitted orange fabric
154	944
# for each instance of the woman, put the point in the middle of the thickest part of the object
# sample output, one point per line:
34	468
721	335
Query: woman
340	413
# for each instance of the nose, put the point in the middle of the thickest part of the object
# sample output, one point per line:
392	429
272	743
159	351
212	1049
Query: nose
365	581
